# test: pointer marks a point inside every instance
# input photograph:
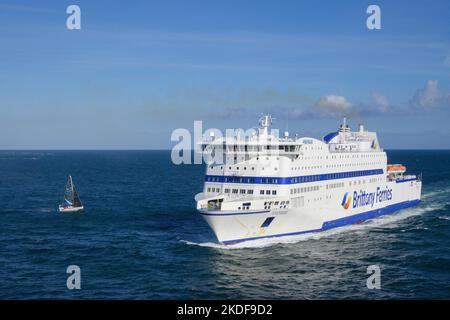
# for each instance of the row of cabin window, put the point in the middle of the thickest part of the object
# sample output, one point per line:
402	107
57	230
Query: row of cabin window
229	168
268	147
335	185
256	148
340	175
329	186
269	203
318	167
336	165
281	205
312	148
357	182
248	180
318	158
340	157
253	168
242	180
314	167
304	189
250	191
240	191
245	168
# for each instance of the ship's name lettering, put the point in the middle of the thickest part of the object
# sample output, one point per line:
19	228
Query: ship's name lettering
363	198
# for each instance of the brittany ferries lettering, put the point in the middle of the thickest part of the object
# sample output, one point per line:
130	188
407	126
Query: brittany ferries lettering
370	198
270	187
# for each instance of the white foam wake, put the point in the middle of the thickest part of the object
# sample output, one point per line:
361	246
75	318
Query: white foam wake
267	242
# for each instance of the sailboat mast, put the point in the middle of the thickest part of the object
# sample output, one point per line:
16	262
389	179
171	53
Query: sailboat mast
71	185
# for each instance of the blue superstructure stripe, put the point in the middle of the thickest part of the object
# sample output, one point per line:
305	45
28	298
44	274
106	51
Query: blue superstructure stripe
292	180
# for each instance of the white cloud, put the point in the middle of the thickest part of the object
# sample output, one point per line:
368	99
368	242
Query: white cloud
334	105
429	97
380	102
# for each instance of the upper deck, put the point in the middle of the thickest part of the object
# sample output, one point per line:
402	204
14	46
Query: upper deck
263	141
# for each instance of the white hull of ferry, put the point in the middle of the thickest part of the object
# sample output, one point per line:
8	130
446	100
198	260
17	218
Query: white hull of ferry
237	226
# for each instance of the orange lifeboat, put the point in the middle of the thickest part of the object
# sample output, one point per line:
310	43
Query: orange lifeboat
396	168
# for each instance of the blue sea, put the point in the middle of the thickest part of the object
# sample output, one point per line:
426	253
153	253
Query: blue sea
140	236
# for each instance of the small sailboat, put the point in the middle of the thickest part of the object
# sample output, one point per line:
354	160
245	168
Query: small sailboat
71	202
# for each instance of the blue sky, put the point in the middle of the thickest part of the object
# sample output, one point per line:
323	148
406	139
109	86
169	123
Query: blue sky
136	71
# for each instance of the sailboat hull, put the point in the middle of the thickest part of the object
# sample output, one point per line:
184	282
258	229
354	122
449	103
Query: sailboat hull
70	209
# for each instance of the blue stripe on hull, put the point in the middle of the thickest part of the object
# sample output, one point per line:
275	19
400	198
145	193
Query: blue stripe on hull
360	217
405	180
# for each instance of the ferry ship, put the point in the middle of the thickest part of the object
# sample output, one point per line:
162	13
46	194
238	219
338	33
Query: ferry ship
271	186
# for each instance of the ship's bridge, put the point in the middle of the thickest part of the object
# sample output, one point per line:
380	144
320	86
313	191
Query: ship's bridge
232	146
260	141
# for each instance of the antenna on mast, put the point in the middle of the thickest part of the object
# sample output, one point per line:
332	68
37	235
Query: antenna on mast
286	132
